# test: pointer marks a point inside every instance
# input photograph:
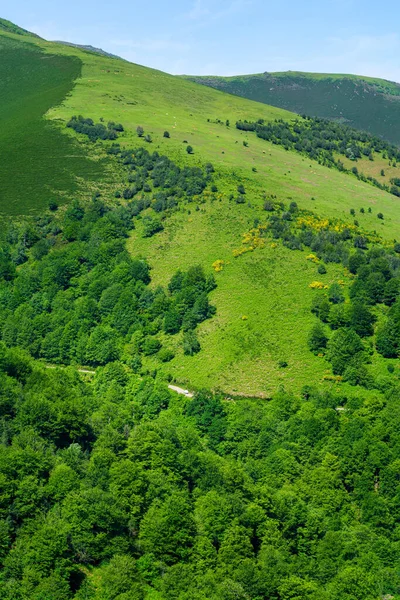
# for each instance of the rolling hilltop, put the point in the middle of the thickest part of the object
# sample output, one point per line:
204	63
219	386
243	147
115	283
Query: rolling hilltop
366	103
199	341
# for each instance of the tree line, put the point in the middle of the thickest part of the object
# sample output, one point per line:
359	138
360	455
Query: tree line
323	140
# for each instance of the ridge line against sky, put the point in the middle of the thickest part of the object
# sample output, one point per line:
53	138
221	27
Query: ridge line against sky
227	37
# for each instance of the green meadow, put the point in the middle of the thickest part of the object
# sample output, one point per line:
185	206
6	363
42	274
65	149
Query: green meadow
38	163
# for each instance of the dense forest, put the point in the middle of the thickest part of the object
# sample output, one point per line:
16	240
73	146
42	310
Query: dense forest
325	141
71	293
115	489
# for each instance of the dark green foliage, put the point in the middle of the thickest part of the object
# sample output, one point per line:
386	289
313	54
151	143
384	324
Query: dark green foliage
170	182
95	131
151	346
322	140
335	294
345	348
80	298
53	205
269	206
321	307
109	490
361	319
191	344
210	415
172	321
151	226
391	292
356	261
317	339
387	341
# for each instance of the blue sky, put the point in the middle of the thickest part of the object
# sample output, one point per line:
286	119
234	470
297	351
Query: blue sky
227	37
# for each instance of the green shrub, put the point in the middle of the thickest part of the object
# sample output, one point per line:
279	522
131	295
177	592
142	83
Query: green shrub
151	346
165	355
191	344
317	339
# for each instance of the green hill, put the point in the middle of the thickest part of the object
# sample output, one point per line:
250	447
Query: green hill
242	347
365	103
199	341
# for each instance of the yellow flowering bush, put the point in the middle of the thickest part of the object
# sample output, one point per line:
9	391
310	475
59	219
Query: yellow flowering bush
218	265
251	240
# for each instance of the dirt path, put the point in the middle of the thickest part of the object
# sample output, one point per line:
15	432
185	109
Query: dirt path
63	367
181	391
174	388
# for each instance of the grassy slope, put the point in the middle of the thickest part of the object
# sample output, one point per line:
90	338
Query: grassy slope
269	286
37	162
362	102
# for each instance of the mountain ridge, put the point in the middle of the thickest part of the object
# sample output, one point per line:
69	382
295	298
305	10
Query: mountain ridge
366	103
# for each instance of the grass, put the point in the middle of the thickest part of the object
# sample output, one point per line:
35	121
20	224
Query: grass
135	95
38	162
263	298
365	103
